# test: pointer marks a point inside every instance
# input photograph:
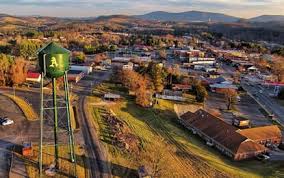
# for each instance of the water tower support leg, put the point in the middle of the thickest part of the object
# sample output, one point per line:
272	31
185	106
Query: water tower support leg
41	126
55	122
70	130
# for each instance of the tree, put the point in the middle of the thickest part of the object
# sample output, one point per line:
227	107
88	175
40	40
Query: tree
201	93
231	97
162	54
89	49
5	63
278	68
155	159
28	48
278	51
18	71
79	57
140	85
158	76
100	57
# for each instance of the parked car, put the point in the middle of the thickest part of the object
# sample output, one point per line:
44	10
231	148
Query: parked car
6	121
209	144
262	157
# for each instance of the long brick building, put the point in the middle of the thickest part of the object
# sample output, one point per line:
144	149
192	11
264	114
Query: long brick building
237	144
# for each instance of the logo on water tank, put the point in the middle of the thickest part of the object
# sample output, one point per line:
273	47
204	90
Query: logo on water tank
53	63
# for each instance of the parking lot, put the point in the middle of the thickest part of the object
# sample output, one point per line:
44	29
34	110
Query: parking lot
247	108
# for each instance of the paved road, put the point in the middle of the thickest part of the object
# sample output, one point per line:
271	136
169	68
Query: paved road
263	98
98	162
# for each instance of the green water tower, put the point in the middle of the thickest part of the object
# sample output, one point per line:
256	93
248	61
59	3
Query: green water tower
53	60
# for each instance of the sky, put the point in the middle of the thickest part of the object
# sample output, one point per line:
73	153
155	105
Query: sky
88	8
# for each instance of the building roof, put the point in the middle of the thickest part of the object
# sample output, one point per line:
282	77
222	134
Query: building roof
221	132
181	87
111	95
249	146
74	72
224	86
53	48
216	80
261	133
33	75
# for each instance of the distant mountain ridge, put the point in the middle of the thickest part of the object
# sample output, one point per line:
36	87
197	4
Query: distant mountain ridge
268	18
189	16
198	16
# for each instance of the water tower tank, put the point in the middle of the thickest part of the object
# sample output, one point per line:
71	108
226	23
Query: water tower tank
54	60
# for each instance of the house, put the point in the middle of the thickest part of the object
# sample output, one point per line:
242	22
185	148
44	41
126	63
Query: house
33	77
267	135
221	135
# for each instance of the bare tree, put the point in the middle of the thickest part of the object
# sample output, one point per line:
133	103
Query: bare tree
231	97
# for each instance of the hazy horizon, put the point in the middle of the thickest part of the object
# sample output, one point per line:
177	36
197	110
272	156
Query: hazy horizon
91	8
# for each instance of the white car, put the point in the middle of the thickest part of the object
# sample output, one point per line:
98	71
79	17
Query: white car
6	121
263	157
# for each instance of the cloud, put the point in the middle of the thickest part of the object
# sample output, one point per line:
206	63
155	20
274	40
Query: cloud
105	7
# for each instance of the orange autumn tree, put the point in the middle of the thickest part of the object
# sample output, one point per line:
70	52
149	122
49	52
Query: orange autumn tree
18	71
139	84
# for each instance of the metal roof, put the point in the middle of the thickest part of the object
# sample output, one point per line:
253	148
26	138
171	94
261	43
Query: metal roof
53	48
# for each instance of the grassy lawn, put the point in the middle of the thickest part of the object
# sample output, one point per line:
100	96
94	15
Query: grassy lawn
28	111
65	166
160	134
251	168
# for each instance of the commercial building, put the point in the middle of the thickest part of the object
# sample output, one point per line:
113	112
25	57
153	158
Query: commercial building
269	136
236	144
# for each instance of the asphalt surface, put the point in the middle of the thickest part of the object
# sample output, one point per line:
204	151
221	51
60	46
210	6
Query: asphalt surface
262	97
247	107
24	130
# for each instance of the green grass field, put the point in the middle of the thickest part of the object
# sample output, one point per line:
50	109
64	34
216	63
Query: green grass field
161	134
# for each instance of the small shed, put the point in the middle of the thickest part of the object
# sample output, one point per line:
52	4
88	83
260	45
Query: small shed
112	97
33	77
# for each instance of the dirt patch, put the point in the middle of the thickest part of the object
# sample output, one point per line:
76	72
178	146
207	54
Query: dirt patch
121	134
